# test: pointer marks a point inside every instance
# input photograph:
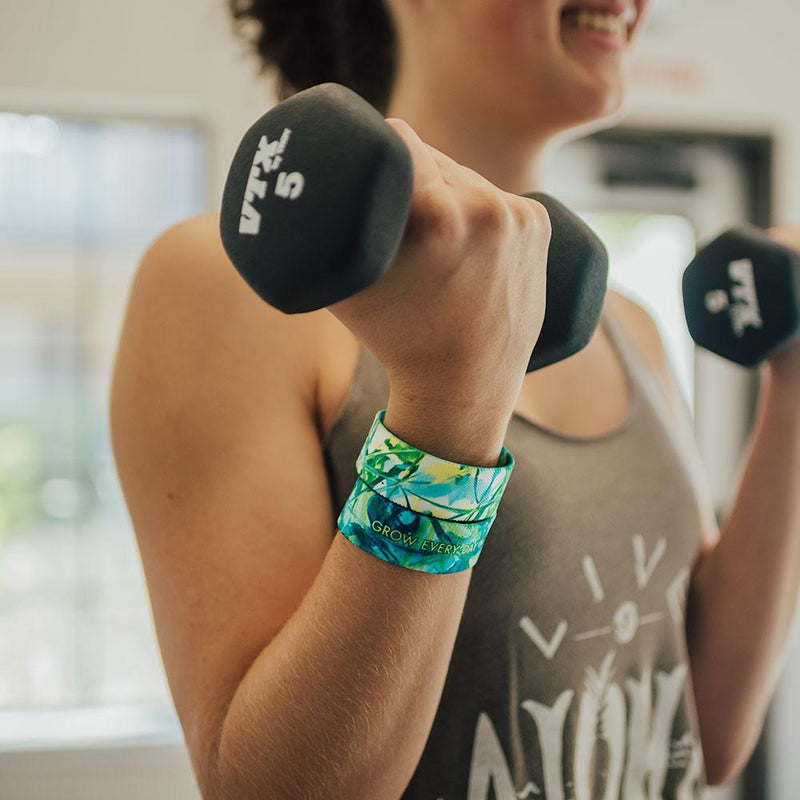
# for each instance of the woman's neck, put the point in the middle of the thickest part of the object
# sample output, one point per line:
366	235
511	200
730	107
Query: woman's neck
454	124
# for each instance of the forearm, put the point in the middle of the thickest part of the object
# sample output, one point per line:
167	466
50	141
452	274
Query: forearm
341	701
744	592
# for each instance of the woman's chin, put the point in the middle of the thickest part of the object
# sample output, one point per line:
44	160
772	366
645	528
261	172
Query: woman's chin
592	78
598	98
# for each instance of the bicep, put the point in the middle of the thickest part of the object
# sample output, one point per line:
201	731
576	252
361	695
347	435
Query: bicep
222	470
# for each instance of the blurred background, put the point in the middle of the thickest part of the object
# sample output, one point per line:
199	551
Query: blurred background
118	119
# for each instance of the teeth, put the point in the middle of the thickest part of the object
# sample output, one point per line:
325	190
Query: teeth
610	23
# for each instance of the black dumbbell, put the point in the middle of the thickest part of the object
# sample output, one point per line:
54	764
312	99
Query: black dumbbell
741	295
316	204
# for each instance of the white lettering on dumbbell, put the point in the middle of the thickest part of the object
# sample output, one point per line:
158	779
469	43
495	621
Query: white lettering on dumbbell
743	305
745	310
290	186
250	221
268	158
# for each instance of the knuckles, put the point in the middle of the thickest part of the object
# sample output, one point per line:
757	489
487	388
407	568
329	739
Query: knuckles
485	209
536	215
436	217
449	218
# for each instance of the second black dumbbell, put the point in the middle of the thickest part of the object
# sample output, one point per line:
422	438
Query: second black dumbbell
741	296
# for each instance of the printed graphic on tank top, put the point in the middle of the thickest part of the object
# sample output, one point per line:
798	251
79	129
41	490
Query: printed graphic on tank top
570	676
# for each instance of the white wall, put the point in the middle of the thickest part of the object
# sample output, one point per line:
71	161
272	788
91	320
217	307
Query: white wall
730	65
721	64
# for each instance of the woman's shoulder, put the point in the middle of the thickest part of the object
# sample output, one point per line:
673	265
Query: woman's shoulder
191	310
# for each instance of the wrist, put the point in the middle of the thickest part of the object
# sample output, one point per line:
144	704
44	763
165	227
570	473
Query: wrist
464	434
417	510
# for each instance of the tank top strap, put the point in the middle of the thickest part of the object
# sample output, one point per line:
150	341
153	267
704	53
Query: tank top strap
629	353
648	391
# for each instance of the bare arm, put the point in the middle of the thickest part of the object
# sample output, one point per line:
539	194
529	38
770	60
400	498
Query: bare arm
744	587
299	666
744	592
341	702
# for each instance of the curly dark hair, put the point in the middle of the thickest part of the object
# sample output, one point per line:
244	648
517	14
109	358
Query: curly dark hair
307	42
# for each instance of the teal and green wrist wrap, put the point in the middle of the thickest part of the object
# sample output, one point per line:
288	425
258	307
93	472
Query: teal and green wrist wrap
418	511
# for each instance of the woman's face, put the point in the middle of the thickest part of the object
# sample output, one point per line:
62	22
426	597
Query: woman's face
548	63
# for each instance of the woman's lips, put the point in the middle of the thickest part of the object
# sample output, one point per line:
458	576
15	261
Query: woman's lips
606	29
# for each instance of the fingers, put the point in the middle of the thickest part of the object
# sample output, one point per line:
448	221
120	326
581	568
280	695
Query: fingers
453	172
425	167
432	164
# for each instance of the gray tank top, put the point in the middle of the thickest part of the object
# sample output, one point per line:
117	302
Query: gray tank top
570	674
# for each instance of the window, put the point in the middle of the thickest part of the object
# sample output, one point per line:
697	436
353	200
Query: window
79	202
648	254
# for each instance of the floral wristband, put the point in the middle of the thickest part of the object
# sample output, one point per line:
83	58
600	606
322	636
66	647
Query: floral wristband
418	511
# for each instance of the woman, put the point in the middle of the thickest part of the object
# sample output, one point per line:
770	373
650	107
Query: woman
607	642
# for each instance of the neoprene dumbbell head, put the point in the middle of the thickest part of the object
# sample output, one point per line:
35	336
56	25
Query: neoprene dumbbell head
316	200
316	204
741	296
577	275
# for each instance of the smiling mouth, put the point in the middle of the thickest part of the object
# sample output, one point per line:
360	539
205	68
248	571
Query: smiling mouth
616	26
